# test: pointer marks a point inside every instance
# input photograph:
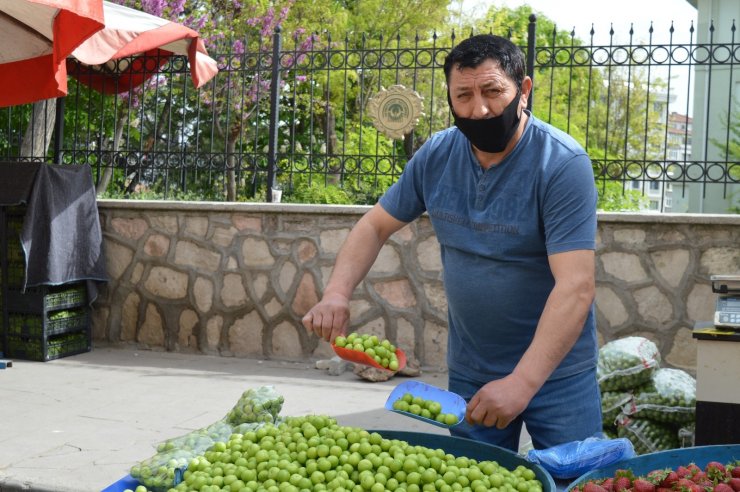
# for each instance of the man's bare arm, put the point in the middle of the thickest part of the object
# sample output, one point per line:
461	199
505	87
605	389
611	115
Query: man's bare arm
561	323
330	317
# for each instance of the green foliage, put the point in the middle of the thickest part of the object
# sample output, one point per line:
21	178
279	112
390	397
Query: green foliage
14	121
730	150
164	187
387	23
729	147
317	193
614	198
334	154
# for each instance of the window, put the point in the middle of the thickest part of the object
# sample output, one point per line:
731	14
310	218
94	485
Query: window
655	185
654	205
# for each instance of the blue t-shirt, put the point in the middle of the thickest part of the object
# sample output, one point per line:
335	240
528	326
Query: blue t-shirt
496	228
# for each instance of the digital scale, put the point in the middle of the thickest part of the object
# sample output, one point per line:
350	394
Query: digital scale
727	310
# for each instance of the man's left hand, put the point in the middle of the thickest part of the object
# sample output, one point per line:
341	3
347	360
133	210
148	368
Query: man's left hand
498	402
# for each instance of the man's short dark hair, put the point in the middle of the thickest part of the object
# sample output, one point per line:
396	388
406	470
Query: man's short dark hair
474	50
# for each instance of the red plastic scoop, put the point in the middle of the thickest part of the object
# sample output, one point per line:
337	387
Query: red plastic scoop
363	358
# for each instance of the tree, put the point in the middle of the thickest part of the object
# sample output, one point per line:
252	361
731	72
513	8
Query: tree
608	106
730	149
338	78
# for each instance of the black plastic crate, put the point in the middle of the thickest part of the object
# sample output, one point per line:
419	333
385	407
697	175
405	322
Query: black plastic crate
44	349
14	257
14	220
41	323
40	300
16	274
15	252
57	322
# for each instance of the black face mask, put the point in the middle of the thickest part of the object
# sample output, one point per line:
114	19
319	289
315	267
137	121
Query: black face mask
491	134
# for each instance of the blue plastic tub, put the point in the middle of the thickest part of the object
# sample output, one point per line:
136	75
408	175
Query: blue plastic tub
452	445
459	446
127	482
641	465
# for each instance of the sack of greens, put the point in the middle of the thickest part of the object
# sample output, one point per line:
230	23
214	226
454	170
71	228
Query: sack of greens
626	363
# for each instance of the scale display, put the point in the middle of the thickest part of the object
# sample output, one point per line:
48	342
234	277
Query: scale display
727	310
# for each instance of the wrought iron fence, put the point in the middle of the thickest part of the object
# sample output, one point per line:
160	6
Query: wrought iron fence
293	114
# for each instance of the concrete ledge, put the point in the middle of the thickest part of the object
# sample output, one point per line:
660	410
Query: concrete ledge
244	207
654	218
300	208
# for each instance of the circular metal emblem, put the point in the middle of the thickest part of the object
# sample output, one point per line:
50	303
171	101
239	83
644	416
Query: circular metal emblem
395	111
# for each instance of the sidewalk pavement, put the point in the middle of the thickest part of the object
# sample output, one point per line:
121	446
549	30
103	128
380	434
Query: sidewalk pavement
79	423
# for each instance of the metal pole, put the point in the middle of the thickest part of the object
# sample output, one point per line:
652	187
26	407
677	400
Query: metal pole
531	45
274	113
59	130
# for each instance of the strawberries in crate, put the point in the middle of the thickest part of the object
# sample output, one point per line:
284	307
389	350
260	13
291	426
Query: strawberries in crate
715	477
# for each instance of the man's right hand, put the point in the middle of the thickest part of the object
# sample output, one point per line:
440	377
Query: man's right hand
329	318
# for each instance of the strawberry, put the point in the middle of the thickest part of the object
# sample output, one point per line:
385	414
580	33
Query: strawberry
684	485
700	476
715	465
608	484
715	471
663	489
657	476
735	472
734	483
682	472
641	485
722	487
705	484
621	483
693	468
669	480
593	487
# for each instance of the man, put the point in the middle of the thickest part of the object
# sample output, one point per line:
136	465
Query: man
513	204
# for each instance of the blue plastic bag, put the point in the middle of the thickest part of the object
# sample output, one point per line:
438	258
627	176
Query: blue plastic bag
573	459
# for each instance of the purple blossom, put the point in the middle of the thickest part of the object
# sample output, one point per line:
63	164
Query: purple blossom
154	7
156	81
308	43
267	22
177	8
196	23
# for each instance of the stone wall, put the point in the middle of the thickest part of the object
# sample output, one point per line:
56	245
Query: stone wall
235	279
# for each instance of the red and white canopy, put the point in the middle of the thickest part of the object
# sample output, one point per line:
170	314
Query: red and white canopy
138	38
36	36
